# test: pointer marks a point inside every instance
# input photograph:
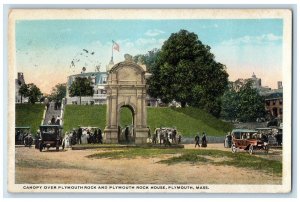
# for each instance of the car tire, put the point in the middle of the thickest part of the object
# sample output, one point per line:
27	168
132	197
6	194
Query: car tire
251	149
233	148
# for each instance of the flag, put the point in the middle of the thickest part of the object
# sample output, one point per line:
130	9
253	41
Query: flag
116	46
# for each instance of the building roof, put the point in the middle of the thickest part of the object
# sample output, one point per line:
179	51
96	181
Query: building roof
274	96
89	74
244	131
97	75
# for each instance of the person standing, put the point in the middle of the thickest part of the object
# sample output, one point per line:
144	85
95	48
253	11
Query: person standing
127	134
197	141
96	140
74	136
179	139
79	134
52	120
100	136
58	120
204	141
37	139
174	133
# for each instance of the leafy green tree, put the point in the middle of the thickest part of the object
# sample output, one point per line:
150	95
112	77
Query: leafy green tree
23	91
149	59
230	105
58	92
251	104
242	102
82	86
34	93
186	71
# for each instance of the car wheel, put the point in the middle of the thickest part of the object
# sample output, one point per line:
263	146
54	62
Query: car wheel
233	148
251	149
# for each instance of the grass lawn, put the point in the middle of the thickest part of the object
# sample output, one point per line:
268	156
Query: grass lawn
215	157
84	115
29	115
188	121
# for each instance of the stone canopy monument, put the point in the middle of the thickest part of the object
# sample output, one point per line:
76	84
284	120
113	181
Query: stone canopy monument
126	87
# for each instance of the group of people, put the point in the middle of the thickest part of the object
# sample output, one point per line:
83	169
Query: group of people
166	136
24	138
124	133
54	121
57	104
203	140
86	136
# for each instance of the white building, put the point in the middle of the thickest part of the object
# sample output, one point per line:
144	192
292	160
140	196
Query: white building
99	80
256	84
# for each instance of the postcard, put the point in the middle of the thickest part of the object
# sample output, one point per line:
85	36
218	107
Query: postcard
149	100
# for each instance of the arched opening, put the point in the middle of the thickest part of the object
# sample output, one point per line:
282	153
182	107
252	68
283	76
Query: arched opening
126	132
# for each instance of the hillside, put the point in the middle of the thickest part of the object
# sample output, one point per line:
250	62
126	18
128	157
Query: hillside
29	115
188	121
84	115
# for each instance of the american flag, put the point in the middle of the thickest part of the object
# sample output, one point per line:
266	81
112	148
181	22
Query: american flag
116	46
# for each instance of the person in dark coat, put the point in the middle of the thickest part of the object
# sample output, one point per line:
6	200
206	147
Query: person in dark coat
57	120
96	140
53	120
197	141
100	136
179	139
79	134
174	133
204	141
127	134
37	139
166	139
90	137
74	137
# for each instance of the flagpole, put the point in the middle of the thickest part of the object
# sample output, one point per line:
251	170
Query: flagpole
112	50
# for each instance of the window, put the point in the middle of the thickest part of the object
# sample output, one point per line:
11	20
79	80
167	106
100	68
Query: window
268	103
280	102
104	79
274	102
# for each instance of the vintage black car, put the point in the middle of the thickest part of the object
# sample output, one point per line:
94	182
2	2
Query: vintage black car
50	136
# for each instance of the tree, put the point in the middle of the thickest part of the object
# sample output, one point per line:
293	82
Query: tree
34	93
251	104
149	59
82	86
230	104
58	92
185	70
23	91
242	102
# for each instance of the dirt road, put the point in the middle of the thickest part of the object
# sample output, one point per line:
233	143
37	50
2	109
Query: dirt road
73	167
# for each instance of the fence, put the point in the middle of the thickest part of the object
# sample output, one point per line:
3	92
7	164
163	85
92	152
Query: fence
210	139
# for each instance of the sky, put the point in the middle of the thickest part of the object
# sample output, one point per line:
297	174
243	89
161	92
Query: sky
45	49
